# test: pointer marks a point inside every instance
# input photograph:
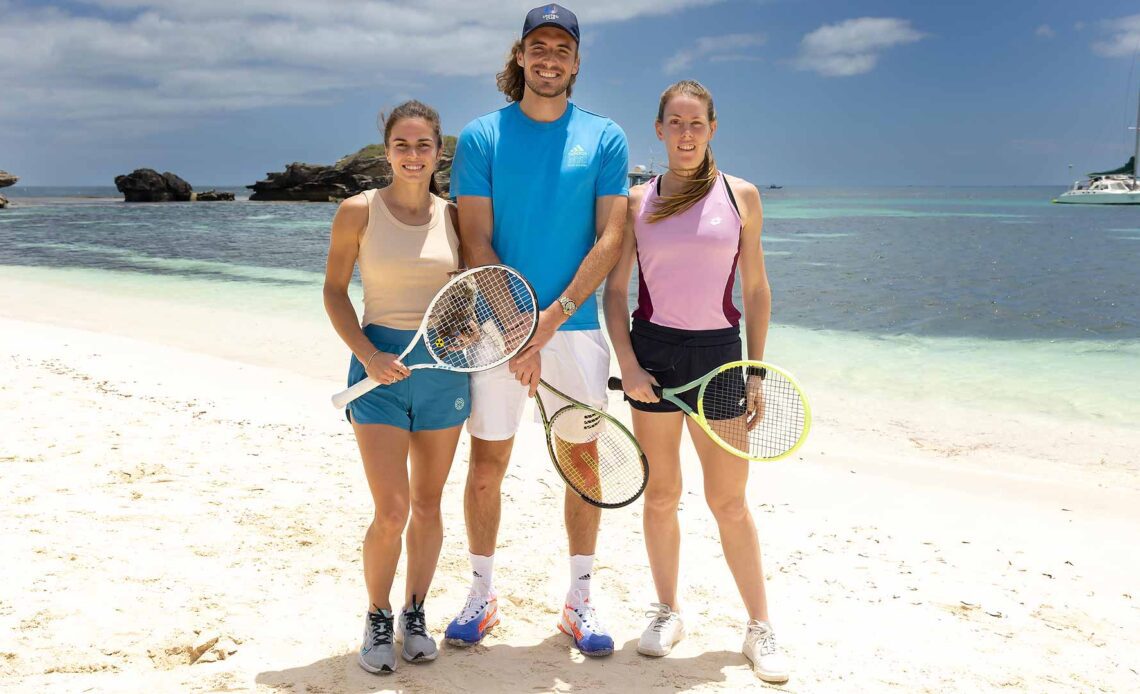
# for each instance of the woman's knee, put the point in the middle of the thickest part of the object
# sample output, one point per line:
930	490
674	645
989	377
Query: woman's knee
664	497
391	518
426	506
728	508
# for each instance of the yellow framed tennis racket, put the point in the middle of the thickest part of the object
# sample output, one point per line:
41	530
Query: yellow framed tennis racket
752	409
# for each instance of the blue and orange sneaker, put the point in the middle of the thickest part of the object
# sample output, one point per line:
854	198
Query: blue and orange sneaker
580	621
478	616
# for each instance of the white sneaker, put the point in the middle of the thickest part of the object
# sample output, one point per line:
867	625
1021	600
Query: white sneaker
768	662
663	632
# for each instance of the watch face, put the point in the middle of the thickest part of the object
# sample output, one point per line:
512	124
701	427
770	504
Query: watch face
568	305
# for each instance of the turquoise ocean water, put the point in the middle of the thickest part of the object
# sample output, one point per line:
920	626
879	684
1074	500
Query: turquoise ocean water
988	297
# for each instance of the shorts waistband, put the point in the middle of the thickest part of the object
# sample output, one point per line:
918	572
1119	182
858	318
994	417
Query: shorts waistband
392	336
691	338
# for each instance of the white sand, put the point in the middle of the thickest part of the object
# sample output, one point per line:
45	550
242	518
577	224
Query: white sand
181	472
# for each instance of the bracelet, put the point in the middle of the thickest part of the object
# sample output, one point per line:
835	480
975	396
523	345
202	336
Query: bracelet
370	360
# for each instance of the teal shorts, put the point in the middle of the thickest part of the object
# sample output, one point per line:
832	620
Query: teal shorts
427	399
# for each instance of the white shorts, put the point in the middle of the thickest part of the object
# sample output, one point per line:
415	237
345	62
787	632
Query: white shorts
577	362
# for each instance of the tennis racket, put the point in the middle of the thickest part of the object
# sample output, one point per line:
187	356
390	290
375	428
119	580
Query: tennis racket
481	318
751	409
597	456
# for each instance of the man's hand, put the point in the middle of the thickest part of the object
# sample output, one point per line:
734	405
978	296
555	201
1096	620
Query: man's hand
549	320
527	369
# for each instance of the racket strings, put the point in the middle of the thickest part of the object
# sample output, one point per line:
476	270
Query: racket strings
761	416
598	458
481	320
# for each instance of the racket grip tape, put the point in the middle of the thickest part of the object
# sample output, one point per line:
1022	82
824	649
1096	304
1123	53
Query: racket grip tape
615	384
341	399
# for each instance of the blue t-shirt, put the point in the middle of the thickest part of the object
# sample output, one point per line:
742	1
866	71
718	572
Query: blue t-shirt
543	180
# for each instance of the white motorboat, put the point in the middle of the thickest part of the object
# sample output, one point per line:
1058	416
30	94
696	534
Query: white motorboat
1116	187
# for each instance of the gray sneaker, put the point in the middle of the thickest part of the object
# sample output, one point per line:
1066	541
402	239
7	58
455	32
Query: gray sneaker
418	645
378	652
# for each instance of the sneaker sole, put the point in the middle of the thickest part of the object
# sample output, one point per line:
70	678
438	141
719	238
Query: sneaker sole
466	644
375	671
420	657
590	654
772	679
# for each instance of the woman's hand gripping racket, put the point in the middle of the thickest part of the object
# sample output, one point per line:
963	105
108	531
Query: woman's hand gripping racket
751	409
597	456
481	318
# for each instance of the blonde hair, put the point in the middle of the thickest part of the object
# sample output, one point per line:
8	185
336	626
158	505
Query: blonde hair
702	180
511	80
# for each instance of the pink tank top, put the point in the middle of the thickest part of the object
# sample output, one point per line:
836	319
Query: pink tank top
687	263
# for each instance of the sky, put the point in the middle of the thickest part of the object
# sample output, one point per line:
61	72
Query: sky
823	93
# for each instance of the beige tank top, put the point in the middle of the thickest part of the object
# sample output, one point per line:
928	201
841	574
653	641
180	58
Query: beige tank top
403	266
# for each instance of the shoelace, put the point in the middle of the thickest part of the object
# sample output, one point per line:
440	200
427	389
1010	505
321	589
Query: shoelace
380	627
662	615
415	622
471	610
762	631
589	617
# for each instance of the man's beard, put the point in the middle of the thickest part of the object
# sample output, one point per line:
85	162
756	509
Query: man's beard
537	87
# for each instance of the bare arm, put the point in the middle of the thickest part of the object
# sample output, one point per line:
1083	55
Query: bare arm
344	248
476	224
609	223
755	291
615	306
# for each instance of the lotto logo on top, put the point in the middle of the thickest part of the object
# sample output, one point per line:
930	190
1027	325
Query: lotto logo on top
577	158
551	13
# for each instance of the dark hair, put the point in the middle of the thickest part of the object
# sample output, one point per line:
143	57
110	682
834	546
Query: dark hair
415	109
704	177
511	80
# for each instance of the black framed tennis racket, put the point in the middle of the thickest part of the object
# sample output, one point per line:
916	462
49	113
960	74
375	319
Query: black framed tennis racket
478	320
593	452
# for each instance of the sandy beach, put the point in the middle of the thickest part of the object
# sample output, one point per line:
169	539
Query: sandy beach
173	473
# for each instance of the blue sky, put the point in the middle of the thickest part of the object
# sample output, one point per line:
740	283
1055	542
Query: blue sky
809	93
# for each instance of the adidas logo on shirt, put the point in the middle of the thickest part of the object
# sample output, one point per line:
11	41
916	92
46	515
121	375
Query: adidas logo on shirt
577	158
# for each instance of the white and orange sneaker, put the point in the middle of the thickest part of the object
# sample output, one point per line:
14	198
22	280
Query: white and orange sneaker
479	615
580	622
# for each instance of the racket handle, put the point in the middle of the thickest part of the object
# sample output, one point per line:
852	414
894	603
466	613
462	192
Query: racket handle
615	384
341	399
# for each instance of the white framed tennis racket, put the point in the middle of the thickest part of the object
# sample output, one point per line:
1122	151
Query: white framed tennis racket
478	320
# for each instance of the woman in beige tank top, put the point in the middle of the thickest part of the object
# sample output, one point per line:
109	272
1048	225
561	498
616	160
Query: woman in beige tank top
403	238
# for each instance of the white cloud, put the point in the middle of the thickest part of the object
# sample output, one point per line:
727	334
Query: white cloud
1045	31
713	48
133	59
1124	37
852	47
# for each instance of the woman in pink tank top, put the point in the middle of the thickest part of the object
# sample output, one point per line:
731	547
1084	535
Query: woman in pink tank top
689	230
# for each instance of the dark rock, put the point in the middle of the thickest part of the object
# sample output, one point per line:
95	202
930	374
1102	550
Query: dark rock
212	196
147	185
3	202
351	175
7	179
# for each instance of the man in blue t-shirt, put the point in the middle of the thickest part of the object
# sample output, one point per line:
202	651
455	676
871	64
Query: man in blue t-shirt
542	187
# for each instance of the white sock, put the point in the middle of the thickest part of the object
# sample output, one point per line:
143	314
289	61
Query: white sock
481	573
581	569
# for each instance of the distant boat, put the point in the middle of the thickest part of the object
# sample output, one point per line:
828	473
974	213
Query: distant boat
1116	187
775	187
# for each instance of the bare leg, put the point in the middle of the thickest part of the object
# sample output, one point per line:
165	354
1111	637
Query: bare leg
431	456
660	436
384	450
481	498
726	477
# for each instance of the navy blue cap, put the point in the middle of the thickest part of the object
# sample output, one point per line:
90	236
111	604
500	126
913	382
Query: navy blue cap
552	16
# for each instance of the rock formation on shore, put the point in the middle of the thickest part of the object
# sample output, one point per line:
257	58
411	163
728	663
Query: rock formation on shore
6	179
211	196
355	173
147	185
